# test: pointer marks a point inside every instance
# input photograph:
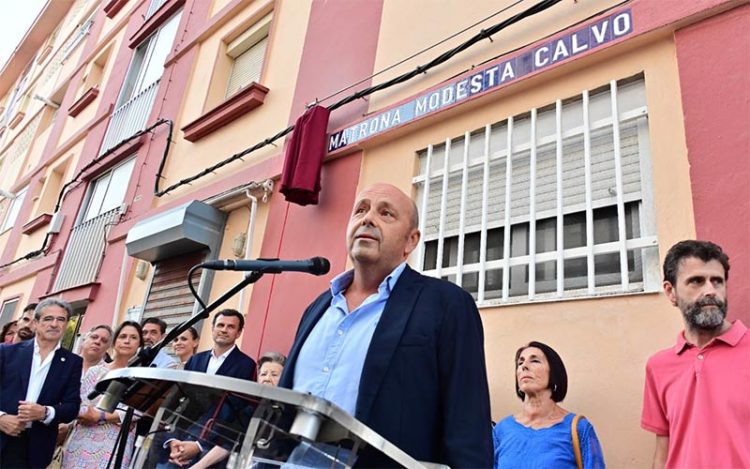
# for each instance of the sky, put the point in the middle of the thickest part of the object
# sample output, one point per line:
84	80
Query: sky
17	17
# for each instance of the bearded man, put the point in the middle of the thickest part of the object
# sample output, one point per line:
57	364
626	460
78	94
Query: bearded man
26	325
696	393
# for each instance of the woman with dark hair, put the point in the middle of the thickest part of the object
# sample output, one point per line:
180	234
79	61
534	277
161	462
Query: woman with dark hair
90	445
185	345
543	434
9	332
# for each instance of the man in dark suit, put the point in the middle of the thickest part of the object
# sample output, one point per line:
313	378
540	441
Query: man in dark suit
401	352
40	387
224	359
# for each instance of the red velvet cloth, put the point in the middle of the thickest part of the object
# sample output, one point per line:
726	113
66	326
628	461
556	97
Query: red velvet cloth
300	178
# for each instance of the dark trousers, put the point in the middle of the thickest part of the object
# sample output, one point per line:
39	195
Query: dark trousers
15	452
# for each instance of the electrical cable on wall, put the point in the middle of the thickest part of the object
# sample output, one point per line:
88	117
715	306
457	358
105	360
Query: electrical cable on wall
439	60
442	58
418	53
75	179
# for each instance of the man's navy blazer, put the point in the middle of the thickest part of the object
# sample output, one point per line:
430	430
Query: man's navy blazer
61	390
236	365
424	382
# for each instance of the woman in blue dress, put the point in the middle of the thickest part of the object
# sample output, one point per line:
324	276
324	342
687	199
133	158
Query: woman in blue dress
541	434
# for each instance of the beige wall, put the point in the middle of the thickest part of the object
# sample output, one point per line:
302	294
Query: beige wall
604	341
409	27
19	289
279	75
605	344
73	125
237	223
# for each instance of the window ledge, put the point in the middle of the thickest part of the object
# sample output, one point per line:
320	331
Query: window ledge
36	223
113	7
241	103
87	98
16	119
85	292
497	303
155	21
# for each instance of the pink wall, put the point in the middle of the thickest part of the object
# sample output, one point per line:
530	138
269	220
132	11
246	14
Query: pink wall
714	66
336	54
295	232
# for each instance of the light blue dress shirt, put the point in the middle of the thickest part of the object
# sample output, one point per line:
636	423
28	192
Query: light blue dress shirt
164	360
331	359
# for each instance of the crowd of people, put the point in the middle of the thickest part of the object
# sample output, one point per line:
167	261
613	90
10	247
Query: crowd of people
402	353
87	438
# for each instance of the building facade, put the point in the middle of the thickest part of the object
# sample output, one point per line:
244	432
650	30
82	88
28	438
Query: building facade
553	161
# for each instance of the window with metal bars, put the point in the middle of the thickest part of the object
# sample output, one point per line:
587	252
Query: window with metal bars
574	198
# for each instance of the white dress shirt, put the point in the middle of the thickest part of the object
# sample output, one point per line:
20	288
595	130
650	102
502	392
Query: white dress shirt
39	370
214	363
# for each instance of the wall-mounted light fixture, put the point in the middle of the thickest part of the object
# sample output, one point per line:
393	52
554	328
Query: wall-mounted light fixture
238	245
141	270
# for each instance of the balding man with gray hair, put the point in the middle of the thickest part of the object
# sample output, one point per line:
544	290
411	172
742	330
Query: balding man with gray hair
401	352
40	384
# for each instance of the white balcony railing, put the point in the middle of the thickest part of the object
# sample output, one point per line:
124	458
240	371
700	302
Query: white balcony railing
130	118
83	255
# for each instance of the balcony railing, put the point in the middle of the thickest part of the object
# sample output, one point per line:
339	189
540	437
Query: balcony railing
79	35
130	117
153	8
83	255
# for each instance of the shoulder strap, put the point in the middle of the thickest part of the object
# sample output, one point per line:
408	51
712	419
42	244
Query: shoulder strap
576	441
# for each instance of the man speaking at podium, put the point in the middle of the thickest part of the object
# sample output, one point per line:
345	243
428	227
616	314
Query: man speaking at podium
401	352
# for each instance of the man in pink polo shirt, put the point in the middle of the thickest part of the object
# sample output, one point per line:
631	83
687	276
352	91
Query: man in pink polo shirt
697	393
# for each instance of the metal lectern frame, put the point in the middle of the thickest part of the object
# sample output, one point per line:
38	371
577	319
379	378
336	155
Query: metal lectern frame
316	419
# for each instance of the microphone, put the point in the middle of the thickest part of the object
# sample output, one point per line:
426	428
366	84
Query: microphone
111	398
315	266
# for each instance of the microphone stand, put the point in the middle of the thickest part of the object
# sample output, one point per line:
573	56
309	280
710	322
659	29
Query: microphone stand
146	356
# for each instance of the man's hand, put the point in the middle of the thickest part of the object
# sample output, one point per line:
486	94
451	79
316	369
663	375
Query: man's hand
182	452
11	425
30	411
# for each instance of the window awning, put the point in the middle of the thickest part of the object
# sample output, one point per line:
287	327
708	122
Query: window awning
182	229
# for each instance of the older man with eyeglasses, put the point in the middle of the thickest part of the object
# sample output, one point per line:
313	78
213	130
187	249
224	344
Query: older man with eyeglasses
40	384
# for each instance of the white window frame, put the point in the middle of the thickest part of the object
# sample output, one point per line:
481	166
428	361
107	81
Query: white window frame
254	38
81	32
101	190
5	317
16	97
14	208
643	244
148	61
